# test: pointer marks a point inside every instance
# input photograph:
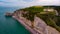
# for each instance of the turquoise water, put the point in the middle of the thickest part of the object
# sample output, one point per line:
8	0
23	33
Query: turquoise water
9	25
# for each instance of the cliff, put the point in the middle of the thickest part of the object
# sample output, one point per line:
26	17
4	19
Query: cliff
42	21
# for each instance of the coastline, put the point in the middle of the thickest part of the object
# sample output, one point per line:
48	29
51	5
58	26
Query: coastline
40	26
26	26
34	30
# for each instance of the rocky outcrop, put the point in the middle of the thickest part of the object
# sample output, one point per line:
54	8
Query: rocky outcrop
8	14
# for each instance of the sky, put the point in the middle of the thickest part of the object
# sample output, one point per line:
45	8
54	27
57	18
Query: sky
27	3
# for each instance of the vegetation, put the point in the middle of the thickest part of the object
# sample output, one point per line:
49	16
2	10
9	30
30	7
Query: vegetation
50	20
58	20
49	17
32	11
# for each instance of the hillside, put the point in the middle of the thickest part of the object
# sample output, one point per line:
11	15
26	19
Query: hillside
49	17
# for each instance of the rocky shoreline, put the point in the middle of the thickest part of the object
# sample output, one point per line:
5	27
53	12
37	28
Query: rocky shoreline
8	14
26	26
35	31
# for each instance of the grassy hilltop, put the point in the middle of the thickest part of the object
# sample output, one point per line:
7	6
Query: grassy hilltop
50	18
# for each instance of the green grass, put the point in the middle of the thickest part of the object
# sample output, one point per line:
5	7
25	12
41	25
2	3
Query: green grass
34	9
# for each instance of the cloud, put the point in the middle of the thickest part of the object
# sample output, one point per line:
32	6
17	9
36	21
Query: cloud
25	3
28	0
50	2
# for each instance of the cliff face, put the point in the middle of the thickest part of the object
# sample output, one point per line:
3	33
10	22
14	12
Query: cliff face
42	22
52	30
43	27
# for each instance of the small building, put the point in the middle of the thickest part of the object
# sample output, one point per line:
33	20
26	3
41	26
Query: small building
49	9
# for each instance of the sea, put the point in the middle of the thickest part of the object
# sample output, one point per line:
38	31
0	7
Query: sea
8	25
